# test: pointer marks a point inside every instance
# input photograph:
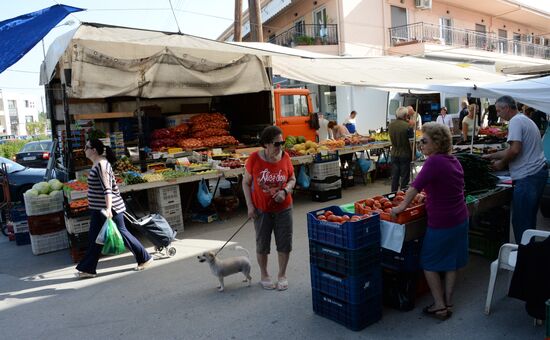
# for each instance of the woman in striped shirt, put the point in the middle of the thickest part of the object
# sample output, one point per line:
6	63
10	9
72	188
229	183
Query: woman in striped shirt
103	193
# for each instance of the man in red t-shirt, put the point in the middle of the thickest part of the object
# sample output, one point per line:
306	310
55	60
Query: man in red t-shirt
267	185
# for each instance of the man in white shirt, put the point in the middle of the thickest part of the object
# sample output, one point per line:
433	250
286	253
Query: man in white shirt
323	133
526	162
415	121
445	119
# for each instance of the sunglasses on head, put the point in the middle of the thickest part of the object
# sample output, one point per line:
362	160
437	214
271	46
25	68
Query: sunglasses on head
278	144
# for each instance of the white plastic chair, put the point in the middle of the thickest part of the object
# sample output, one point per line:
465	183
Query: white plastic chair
507	257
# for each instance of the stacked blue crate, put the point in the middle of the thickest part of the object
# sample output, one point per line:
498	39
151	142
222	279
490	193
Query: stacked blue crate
345	269
18	217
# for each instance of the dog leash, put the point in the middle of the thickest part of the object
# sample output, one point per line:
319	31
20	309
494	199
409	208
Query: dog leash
235	233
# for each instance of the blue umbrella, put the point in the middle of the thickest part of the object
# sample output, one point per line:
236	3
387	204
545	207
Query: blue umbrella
18	35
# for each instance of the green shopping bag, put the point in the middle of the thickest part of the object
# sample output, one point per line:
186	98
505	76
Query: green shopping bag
114	244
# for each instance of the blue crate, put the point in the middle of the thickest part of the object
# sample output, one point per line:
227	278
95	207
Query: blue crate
408	260
331	156
353	316
344	261
18	213
22	239
348	235
352	289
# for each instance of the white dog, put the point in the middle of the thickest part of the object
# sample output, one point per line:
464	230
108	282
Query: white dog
222	268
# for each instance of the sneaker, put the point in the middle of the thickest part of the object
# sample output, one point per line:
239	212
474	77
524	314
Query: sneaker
84	275
145	265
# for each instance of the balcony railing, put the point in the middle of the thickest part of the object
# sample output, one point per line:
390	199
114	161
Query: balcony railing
429	33
307	35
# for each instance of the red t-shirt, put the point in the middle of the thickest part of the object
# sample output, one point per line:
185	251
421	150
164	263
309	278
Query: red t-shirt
267	179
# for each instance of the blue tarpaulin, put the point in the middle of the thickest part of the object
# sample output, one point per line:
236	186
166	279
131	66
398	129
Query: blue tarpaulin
18	35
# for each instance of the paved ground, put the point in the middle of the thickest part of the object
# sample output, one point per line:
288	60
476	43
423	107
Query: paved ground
177	297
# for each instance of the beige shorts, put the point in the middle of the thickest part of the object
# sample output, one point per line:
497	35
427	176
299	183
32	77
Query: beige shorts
280	224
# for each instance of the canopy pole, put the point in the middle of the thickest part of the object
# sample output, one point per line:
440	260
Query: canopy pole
473	131
413	151
67	157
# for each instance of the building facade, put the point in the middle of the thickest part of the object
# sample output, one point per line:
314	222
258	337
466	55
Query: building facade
16	110
495	35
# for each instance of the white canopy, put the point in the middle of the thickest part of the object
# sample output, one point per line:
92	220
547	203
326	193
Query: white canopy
535	92
111	61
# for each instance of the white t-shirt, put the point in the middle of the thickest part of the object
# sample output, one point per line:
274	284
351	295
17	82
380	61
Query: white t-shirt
447	120
323	130
531	159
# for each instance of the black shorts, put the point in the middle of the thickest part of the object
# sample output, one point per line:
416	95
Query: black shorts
280	224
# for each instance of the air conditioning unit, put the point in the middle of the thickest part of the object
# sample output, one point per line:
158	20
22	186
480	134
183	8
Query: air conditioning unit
423	4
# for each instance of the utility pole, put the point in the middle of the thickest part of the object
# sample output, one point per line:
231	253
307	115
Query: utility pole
255	19
238	24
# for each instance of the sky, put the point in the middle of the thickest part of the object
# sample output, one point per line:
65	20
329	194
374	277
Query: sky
204	18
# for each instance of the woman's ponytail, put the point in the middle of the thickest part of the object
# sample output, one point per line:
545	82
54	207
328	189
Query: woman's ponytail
110	155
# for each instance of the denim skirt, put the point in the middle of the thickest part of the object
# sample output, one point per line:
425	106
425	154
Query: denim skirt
445	249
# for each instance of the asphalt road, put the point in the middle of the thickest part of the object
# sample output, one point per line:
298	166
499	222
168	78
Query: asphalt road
177	298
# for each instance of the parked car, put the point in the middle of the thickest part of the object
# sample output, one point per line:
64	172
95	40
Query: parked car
21	178
34	154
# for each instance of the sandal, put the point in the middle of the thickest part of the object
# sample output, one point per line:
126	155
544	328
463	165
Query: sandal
282	284
267	285
440	314
450	307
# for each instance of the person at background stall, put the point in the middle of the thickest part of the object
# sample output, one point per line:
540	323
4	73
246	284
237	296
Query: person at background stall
463	113
267	186
401	153
103	193
445	245
323	131
538	117
492	117
415	121
338	131
469	125
350	122
525	159
445	119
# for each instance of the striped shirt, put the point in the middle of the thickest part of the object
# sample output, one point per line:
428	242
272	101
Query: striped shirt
99	187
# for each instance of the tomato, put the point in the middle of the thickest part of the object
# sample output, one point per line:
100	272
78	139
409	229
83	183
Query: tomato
387	210
377	205
345	218
333	218
398	199
354	219
378	198
387	205
322	217
400	193
328	213
384	200
369	202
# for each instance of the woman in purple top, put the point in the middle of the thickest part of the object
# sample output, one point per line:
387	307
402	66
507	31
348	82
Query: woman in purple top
445	246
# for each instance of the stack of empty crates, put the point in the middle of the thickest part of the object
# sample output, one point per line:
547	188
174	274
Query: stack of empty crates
325	182
166	202
77	223
46	223
117	143
18	222
345	269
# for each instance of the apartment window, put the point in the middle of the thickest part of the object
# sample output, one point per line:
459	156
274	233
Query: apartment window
399	20
481	37
12	107
502	41
517	43
27	103
300	27
320	21
28	119
446	31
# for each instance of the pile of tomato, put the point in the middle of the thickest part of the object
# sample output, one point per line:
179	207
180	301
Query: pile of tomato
381	204
331	217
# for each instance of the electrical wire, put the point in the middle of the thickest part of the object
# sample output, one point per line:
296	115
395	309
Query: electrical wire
175	18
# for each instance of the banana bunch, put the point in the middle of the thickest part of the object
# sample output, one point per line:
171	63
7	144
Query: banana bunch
380	136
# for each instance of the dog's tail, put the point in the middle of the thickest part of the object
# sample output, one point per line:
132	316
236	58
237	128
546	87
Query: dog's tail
243	249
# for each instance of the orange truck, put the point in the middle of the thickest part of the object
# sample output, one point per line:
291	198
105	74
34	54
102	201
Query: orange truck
293	112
